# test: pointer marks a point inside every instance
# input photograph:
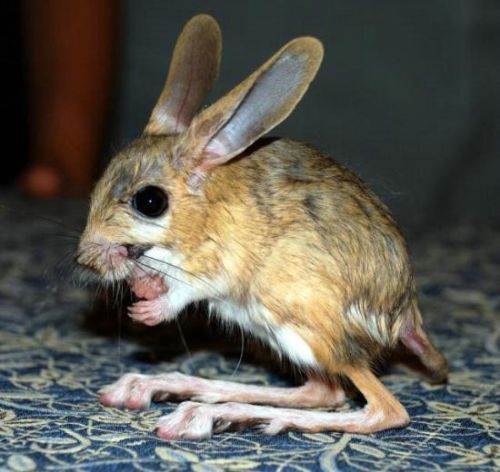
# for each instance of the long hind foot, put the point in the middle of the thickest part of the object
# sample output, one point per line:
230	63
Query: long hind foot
135	391
198	421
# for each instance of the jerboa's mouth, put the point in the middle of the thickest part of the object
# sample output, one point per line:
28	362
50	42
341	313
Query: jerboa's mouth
147	286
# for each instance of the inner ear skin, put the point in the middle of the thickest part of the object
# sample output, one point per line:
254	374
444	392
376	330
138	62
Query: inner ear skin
255	106
193	69
268	95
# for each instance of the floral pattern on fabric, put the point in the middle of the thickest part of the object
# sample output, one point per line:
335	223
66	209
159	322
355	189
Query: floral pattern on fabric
52	364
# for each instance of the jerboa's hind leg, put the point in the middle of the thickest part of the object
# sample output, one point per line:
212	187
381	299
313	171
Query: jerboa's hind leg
194	420
136	391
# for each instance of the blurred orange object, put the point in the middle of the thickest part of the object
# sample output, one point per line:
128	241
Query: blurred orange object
71	46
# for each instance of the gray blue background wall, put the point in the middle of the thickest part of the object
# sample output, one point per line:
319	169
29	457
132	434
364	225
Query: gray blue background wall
407	95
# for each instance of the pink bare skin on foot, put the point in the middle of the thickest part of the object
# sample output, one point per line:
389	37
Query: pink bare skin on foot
153	309
148	286
135	391
228	404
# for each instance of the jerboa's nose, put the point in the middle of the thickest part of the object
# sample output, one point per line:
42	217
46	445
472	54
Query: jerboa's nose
135	251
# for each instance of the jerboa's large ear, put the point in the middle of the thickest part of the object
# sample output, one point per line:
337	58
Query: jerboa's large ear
193	70
254	107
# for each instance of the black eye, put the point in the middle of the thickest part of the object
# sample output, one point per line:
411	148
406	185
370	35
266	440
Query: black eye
150	201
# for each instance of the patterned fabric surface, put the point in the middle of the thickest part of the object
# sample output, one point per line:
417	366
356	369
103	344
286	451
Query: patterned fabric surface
56	351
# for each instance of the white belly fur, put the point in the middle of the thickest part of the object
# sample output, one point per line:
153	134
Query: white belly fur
253	317
256	320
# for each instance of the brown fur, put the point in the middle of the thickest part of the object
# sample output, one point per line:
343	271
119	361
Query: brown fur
291	221
285	225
